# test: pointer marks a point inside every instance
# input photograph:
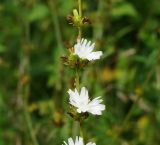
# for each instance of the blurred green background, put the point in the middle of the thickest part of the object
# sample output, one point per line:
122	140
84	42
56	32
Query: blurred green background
34	34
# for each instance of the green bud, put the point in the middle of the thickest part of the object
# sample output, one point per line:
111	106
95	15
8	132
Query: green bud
76	18
75	13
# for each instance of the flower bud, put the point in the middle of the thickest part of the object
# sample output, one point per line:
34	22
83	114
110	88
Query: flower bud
76	18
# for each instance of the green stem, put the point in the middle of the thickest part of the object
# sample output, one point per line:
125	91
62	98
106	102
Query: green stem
75	128
77	80
29	125
80	14
79	32
81	129
77	70
27	88
75	124
78	89
130	112
80	7
77	84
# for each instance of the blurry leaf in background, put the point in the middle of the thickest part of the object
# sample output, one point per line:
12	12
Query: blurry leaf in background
142	124
123	8
65	8
43	107
2	48
55	69
109	74
38	12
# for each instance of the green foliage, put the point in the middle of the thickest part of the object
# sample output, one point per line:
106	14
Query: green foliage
38	12
2	48
123	9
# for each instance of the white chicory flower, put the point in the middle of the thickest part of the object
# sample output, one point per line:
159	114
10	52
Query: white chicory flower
84	50
84	104
78	141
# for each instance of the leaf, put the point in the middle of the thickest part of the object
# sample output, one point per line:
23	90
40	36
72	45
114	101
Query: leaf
38	12
2	48
65	8
125	9
143	122
123	31
55	77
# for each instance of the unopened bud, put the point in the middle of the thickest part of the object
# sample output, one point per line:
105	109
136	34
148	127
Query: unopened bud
76	18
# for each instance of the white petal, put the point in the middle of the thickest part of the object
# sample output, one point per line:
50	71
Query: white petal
91	47
70	141
84	43
76	92
95	107
84	95
88	44
84	50
78	141
94	55
74	97
83	104
79	110
90	143
79	101
65	143
77	49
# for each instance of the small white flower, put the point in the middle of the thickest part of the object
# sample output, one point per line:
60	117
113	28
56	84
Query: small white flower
84	50
84	104
78	141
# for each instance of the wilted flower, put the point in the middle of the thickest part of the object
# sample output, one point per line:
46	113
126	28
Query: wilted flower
78	141
84	104
84	50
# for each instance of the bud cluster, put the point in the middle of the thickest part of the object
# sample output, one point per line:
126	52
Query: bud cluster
77	20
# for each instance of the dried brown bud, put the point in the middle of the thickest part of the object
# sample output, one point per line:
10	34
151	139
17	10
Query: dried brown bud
86	20
71	50
65	60
77	116
70	19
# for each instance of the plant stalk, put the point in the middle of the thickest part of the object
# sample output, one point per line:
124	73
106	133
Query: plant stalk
77	80
81	130
80	14
77	70
77	85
